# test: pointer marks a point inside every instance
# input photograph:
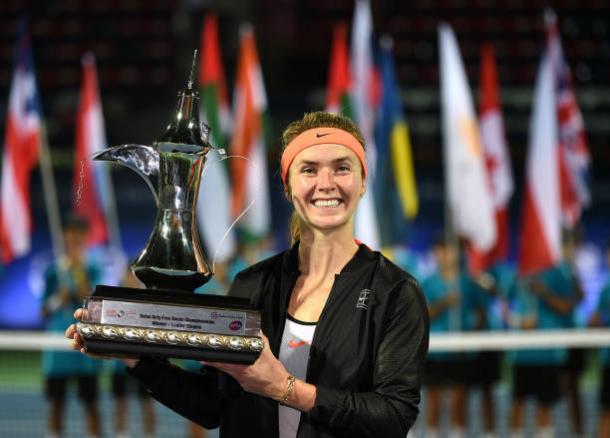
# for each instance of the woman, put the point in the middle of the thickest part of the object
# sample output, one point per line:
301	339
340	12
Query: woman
350	329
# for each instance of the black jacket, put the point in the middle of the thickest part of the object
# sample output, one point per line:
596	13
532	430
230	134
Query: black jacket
366	357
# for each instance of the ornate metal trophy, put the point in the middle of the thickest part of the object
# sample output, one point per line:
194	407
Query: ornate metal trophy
167	318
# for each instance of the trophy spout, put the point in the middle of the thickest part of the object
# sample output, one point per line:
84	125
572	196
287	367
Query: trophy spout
144	160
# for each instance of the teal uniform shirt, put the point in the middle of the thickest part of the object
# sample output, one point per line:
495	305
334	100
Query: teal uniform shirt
504	274
211	288
407	260
570	319
603	308
462	316
66	363
527	304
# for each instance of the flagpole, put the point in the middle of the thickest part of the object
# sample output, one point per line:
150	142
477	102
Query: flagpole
112	217
50	194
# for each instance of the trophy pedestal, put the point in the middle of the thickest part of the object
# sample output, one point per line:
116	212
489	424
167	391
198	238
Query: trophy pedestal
128	322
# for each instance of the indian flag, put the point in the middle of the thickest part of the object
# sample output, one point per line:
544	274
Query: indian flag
250	185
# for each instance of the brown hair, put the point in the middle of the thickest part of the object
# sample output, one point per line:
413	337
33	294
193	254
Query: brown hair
317	119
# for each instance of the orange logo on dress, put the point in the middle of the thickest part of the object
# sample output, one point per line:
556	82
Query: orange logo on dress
296	344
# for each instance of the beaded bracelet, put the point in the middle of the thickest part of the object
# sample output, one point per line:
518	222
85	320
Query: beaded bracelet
289	389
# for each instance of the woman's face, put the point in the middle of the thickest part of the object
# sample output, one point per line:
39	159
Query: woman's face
325	185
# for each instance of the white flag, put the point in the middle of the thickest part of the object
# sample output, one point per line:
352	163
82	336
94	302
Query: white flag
366	228
468	191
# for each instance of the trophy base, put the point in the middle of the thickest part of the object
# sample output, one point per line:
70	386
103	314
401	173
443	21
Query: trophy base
127	322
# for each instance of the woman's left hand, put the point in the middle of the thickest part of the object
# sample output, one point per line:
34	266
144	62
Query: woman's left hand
267	376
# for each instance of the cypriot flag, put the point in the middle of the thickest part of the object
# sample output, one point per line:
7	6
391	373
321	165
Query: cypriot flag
468	191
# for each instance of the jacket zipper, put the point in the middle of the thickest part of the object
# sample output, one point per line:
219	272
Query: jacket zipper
319	324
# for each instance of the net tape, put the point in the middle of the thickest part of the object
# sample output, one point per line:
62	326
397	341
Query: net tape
458	341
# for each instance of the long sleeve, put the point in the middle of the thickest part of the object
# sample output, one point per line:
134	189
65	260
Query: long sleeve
391	408
194	396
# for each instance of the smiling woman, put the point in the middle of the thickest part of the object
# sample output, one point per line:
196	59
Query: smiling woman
345	330
325	185
309	139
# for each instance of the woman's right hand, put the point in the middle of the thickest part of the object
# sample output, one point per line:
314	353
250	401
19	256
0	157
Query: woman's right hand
78	343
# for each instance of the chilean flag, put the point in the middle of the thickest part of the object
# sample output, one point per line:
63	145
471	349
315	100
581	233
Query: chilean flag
90	183
22	145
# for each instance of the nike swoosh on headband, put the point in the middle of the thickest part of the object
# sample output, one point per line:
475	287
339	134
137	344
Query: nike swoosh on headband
322	135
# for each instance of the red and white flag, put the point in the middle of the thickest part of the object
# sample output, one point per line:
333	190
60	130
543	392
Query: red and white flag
22	143
540	238
574	157
497	161
92	193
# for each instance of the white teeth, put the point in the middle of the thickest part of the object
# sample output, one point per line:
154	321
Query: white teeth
326	203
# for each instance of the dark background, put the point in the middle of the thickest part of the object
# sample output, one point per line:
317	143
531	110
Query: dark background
143	50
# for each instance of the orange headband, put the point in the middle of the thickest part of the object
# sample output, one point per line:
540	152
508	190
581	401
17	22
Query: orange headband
315	136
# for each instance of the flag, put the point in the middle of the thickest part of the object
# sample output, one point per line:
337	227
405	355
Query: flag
92	192
469	197
497	160
214	203
540	237
22	144
574	158
364	99
250	185
395	175
339	87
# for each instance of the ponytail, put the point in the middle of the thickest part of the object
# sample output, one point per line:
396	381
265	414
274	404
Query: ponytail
295	228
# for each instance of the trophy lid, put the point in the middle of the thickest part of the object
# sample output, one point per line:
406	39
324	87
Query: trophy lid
185	127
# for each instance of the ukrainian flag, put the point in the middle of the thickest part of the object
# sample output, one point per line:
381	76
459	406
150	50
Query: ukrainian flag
395	176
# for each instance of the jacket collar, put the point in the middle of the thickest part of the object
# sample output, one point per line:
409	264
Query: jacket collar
362	259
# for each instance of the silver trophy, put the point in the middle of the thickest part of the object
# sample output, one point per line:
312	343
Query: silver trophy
167	318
